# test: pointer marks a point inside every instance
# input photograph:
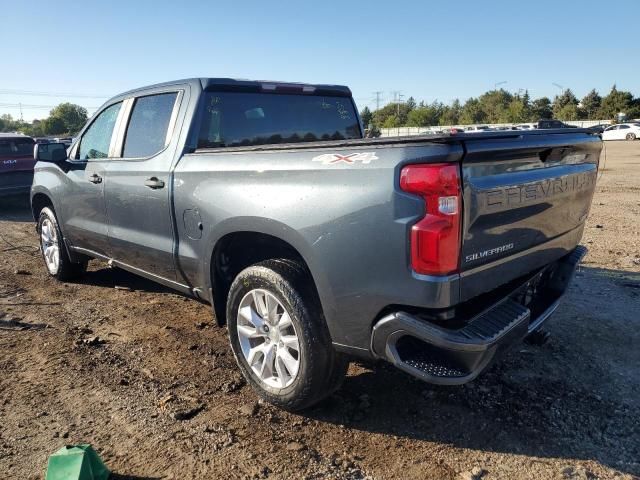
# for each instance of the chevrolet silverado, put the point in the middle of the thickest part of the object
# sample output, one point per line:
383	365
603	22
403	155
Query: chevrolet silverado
312	244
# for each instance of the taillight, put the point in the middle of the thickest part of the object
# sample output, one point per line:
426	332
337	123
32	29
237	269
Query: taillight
435	240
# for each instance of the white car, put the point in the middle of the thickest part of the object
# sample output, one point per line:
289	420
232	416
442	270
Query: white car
623	131
479	128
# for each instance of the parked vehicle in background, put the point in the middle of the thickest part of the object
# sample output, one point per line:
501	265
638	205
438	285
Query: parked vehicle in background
66	140
312	244
478	128
547	124
601	127
622	131
16	163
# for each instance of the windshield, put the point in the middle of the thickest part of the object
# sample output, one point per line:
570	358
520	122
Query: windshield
233	119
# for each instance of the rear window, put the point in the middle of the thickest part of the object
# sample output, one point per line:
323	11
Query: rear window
234	119
20	147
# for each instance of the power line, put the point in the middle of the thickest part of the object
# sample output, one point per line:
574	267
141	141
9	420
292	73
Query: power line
27	105
8	91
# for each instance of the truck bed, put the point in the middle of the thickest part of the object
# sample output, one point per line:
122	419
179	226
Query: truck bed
351	222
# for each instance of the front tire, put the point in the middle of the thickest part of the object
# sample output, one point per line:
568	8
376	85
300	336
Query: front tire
279	336
54	253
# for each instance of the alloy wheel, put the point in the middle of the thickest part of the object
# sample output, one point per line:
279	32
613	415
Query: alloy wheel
50	246
268	339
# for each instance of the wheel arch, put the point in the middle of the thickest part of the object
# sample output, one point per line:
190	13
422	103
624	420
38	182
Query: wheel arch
40	200
237	250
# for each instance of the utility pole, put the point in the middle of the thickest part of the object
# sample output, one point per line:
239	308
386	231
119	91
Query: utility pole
21	119
378	95
397	99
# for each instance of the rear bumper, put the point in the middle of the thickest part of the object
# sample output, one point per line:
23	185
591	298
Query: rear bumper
449	356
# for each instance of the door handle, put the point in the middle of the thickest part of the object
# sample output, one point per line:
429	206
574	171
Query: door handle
154	183
95	178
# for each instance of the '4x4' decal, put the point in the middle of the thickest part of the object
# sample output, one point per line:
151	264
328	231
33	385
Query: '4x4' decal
333	158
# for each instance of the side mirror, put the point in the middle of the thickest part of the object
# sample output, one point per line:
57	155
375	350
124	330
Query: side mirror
50	152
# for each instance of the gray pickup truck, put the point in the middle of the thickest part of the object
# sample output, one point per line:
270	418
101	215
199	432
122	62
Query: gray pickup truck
313	245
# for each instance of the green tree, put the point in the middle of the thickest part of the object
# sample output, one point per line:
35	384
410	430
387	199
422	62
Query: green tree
472	112
54	126
495	105
634	109
9	124
561	101
590	105
526	100
33	129
399	111
391	121
616	102
366	116
411	103
540	109
568	112
425	116
517	112
451	114
73	116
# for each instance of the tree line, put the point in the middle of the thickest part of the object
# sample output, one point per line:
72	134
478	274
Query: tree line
495	106
65	119
501	106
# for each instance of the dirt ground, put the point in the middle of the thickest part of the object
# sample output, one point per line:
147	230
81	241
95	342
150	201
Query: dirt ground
158	394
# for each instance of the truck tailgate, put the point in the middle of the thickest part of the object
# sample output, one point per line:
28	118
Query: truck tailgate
526	198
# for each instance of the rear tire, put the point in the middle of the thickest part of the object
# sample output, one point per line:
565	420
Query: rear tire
54	252
279	336
631	136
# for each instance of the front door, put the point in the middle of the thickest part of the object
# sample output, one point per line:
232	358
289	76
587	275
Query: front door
137	190
83	206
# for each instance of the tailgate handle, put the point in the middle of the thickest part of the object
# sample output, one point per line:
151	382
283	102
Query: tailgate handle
553	154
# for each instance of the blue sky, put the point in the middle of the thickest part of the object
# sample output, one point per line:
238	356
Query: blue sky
430	50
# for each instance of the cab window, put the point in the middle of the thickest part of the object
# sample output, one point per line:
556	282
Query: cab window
96	139
147	131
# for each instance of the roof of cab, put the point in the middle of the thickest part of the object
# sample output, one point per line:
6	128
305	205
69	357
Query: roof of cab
230	84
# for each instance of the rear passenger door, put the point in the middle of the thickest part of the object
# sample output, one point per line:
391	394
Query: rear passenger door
137	191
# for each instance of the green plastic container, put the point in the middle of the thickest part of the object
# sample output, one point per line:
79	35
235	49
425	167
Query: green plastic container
76	462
